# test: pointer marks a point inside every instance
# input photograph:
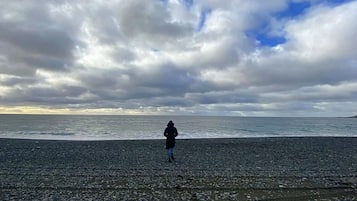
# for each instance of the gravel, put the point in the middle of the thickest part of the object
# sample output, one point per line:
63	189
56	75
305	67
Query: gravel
313	168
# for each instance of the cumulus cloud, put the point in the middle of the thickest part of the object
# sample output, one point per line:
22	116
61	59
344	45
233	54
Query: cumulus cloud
179	57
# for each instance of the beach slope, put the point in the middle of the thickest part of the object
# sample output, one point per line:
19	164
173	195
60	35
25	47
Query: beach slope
313	168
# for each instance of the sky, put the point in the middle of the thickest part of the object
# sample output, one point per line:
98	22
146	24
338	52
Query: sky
179	57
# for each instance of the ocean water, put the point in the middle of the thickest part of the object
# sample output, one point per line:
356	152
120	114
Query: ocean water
85	127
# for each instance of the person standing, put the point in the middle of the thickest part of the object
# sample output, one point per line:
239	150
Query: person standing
170	134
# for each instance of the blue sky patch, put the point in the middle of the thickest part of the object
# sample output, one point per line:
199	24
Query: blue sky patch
337	2
297	8
187	3
263	36
202	19
269	41
155	50
264	39
293	10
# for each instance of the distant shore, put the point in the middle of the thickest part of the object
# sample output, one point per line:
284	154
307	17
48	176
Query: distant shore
205	169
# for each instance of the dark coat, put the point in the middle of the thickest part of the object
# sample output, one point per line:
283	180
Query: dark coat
170	134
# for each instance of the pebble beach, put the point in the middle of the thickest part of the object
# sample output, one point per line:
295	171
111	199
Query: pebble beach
306	168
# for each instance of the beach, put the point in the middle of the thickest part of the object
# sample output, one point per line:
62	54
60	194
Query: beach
304	168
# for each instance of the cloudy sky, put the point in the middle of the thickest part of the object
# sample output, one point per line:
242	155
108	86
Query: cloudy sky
182	57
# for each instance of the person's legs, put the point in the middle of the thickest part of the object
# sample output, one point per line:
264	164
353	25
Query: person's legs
170	152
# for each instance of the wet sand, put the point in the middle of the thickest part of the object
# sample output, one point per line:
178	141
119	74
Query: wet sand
313	168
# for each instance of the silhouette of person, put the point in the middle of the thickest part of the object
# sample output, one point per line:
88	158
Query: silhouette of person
170	134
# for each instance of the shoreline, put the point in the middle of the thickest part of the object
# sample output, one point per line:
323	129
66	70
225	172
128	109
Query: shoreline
300	168
179	139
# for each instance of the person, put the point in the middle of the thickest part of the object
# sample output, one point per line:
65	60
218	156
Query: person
170	134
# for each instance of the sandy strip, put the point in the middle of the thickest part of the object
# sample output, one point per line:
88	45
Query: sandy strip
207	169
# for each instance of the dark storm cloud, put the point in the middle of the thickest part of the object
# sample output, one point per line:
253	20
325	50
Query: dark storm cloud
37	40
142	83
167	78
46	95
220	97
12	81
172	102
37	48
289	72
30	39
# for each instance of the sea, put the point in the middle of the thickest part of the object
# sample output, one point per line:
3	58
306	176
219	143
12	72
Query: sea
106	127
